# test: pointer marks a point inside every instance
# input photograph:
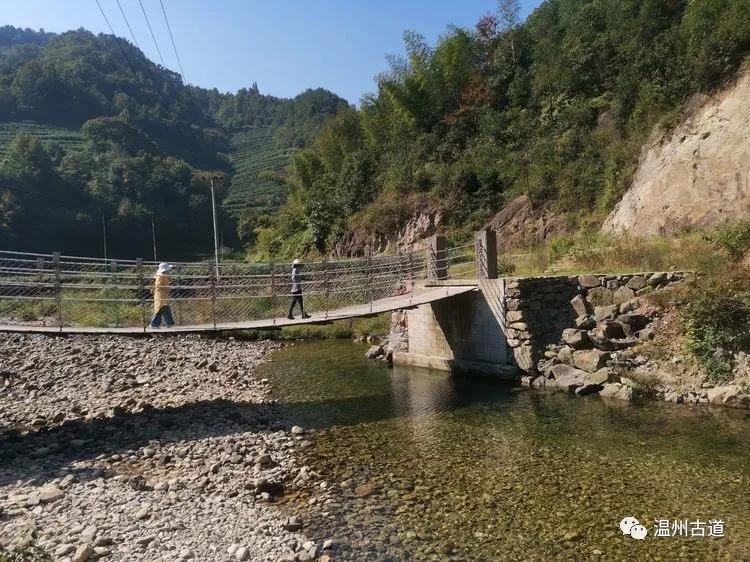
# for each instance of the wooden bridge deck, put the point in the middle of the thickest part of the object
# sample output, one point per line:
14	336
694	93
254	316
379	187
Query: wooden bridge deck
380	306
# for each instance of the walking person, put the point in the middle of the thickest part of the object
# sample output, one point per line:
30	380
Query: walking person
296	291
162	311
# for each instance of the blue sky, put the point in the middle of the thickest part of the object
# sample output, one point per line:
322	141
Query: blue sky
285	46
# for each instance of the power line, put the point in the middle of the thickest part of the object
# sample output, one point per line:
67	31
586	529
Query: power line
37	195
128	24
148	23
182	72
177	56
124	54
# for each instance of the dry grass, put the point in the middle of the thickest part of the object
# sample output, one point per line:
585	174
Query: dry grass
598	253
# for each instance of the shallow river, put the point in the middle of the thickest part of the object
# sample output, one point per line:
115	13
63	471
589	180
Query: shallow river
468	469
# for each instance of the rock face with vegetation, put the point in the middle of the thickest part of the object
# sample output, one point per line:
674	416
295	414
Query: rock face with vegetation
695	175
554	109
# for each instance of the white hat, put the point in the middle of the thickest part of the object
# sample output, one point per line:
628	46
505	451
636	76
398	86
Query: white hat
164	267
296	262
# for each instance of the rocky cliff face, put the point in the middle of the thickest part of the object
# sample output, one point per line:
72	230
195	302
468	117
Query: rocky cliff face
412	237
698	175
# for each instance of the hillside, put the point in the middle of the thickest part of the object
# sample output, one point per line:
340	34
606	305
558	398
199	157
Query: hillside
123	140
49	135
254	152
554	109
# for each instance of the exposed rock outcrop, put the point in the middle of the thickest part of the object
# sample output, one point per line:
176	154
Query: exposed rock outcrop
520	223
698	175
411	237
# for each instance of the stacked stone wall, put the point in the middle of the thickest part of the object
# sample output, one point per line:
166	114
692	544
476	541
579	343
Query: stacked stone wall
538	310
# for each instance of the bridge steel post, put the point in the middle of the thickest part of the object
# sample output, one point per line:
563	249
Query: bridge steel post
273	289
213	274
115	292
141	290
485	246
369	276
58	287
326	285
437	260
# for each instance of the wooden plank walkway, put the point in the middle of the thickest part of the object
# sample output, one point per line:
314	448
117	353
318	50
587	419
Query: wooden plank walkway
428	295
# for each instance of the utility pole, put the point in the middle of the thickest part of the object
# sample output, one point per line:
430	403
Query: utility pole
104	231
215	178
153	236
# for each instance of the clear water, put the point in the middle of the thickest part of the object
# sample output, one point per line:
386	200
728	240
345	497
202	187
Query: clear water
468	469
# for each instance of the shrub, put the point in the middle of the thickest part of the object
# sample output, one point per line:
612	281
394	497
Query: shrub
26	549
714	320
734	238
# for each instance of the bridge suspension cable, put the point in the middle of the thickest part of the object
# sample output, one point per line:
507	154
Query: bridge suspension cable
71	292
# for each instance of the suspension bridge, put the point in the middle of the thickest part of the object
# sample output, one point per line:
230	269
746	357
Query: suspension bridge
68	294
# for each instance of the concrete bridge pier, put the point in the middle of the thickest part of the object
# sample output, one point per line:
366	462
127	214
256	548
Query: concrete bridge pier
465	332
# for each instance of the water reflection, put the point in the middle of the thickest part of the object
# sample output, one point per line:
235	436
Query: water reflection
475	470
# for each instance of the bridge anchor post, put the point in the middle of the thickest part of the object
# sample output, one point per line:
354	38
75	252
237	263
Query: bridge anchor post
485	246
437	260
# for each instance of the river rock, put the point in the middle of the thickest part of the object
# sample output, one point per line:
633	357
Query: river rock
636	283
600	377
605	312
590	360
657	279
623	294
50	493
374	352
293	523
565	355
580	305
589	281
83	553
618	391
723	394
600	296
64	549
567	377
577	339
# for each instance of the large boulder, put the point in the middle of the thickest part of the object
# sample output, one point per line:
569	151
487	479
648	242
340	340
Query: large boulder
589	281
580	305
567	377
600	296
577	339
590	360
636	283
723	394
618	391
600	377
623	294
606	312
610	336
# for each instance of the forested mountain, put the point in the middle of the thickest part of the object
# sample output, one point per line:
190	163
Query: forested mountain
90	129
556	108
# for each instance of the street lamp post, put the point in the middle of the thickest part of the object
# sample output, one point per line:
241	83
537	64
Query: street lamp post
211	180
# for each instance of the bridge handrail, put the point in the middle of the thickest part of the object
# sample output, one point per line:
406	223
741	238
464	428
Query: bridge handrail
77	291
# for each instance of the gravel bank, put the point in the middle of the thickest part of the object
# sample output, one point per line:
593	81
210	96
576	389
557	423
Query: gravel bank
158	448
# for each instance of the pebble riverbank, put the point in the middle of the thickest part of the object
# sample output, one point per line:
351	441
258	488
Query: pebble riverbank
153	448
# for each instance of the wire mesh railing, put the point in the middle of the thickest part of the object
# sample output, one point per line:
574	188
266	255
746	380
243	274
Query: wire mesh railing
68	291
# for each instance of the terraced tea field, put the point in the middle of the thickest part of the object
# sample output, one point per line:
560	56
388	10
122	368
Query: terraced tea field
255	152
45	133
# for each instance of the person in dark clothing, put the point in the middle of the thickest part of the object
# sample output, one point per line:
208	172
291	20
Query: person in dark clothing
296	291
